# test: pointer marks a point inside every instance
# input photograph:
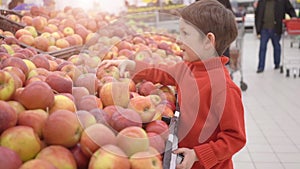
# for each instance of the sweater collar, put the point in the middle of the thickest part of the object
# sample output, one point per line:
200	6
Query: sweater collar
209	64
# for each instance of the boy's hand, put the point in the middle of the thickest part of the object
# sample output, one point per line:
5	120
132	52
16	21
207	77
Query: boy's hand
123	65
189	158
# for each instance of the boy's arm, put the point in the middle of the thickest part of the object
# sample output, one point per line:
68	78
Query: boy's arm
164	74
231	137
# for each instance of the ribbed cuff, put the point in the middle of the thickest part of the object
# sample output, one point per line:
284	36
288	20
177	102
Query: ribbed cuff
206	156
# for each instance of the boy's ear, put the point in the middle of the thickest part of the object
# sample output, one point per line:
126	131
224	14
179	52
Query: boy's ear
212	39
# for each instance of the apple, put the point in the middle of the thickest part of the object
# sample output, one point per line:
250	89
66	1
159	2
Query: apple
9	159
145	160
101	116
21	32
58	156
17	106
133	139
33	118
62	43
41	61
41	43
7	85
68	31
125	118
85	118
131	84
109	71
155	99
62	102
39	22
82	161
32	30
157	142
9	116
36	95
110	110
62	128
89	81
78	93
15	62
37	163
109	156
60	83
145	88
158	126
144	106
96	136
115	93
26	19
89	102
23	140
124	45
72	71
14	17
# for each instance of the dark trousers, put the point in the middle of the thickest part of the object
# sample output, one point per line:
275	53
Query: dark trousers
265	35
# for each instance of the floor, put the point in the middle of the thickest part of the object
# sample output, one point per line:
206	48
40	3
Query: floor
272	110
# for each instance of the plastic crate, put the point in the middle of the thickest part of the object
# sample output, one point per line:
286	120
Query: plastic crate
66	52
9	25
8	12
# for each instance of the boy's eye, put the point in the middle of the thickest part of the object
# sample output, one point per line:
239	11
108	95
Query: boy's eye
184	33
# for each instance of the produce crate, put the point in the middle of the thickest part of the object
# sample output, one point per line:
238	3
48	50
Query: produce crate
9	25
8	12
66	52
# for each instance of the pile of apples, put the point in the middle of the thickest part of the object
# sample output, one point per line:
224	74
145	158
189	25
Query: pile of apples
58	29
57	113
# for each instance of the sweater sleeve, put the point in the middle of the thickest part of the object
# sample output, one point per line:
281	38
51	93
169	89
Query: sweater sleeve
290	9
231	137
164	74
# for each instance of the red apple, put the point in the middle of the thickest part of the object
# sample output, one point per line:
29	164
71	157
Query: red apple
36	95
37	163
82	161
9	159
33	118
115	93
85	118
94	137
101	116
78	93
144	106
60	83
17	106
58	156
145	160
110	71
89	102
40	61
160	127
15	62
8	116
23	140
145	88
157	142
62	128
125	118
132	140
109	156
41	43
89	81
62	102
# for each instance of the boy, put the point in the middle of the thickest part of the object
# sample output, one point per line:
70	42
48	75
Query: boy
211	128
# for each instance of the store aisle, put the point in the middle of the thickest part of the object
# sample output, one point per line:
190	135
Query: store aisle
272	111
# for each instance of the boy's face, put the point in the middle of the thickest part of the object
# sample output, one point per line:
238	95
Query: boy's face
195	45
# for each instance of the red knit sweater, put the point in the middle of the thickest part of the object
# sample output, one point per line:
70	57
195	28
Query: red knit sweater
212	114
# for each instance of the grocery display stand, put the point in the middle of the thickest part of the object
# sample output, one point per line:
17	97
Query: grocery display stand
7	24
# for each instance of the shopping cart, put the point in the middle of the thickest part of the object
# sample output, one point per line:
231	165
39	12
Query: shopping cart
291	28
236	47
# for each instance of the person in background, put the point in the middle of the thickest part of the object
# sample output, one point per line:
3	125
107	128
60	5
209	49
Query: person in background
268	23
14	3
49	4
211	126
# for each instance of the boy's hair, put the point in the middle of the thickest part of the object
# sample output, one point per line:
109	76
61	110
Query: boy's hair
212	16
